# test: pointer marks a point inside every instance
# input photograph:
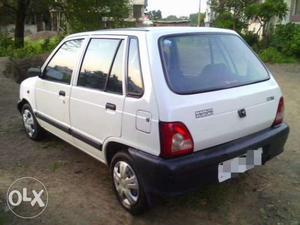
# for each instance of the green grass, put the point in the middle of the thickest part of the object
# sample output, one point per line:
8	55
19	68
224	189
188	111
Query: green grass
31	48
272	55
3	218
56	165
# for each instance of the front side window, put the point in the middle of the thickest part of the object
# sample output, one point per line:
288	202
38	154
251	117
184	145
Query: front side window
97	62
62	64
206	62
135	86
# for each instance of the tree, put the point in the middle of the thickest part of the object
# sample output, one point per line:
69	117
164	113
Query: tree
194	19
89	14
171	18
80	15
17	8
7	13
265	12
155	15
16	11
39	11
21	10
230	13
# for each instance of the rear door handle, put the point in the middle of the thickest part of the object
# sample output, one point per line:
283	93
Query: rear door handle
110	106
62	93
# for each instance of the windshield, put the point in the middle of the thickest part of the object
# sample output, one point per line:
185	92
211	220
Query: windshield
195	63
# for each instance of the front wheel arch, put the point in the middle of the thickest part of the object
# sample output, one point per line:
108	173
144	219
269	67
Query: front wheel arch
21	104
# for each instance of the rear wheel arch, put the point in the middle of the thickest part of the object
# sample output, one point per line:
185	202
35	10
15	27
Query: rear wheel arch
112	148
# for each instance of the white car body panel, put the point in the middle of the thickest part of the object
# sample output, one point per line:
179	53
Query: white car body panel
56	107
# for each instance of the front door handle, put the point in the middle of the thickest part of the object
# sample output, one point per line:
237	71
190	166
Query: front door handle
62	93
110	106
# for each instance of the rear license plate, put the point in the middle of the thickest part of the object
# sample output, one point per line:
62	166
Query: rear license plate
239	164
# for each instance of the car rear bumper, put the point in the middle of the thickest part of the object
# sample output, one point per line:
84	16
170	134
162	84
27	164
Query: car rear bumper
169	177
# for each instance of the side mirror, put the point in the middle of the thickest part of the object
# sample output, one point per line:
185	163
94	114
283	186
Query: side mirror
33	72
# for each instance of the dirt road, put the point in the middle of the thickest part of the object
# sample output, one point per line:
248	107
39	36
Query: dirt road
80	188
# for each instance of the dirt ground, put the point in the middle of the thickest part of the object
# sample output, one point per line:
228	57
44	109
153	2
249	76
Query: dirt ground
80	188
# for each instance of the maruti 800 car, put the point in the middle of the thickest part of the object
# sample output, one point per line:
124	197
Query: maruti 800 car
166	109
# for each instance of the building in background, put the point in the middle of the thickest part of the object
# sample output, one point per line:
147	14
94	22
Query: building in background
137	10
209	16
294	11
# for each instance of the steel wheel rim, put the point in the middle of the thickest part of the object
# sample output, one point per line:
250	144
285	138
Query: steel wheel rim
126	184
28	122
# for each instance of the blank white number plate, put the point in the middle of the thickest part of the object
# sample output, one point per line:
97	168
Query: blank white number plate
239	164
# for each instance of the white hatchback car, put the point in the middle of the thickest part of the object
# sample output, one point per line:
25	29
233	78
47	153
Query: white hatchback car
167	109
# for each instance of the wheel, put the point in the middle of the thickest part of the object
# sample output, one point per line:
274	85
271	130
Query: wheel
127	184
33	130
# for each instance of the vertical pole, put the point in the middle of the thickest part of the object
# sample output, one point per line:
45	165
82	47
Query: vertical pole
199	14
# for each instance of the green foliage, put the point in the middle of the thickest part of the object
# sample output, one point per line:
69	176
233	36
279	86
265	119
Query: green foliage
235	14
272	55
31	48
230	13
227	21
89	14
295	45
171	18
265	12
251	38
194	19
286	39
5	40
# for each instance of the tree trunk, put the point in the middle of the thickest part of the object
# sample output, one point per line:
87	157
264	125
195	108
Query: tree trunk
22	6
39	22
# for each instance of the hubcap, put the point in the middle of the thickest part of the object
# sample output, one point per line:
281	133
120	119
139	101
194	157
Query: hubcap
28	122
126	183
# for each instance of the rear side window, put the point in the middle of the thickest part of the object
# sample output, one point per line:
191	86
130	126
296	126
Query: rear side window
60	67
206	62
135	86
97	62
114	83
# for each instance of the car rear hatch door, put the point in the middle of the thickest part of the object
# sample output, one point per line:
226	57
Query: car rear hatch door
221	116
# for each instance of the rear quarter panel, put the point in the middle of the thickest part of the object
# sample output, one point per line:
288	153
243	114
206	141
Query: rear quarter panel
145	141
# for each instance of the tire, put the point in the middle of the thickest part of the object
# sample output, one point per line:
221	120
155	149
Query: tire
33	130
130	194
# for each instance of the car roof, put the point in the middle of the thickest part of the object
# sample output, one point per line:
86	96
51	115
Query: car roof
157	31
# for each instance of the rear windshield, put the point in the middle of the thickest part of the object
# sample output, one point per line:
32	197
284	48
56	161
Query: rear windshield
195	63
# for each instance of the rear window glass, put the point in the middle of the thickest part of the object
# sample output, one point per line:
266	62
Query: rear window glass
206	62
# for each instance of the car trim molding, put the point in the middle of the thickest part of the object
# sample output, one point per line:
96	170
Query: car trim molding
52	122
86	139
70	131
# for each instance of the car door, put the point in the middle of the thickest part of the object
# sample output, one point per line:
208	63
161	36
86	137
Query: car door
97	100
53	87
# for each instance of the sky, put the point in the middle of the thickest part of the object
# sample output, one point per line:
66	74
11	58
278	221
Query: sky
176	7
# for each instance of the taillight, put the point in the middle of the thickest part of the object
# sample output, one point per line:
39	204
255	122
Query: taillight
175	139
280	113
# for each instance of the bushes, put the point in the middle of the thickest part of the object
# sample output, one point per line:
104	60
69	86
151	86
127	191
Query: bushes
251	38
272	55
283	45
286	39
31	48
